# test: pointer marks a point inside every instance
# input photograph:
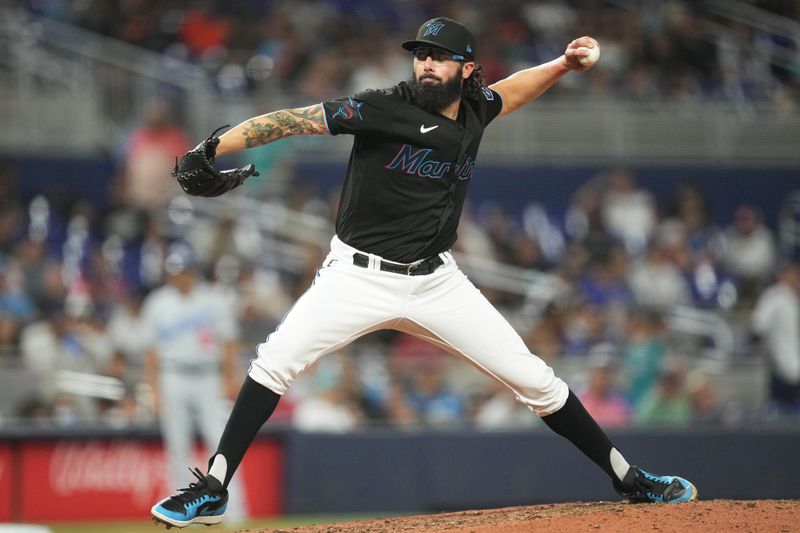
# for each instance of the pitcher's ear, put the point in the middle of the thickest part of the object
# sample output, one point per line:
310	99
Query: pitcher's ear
467	69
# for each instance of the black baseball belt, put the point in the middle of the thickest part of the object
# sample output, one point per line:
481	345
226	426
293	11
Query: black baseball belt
426	266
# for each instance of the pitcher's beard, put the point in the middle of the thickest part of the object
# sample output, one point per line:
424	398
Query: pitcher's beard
434	97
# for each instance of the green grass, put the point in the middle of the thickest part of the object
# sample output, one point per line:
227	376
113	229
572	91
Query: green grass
267	524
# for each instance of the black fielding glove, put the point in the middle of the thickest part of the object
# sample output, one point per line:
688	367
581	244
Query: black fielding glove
197	176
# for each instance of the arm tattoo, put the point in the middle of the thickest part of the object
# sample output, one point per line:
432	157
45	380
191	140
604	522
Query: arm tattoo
285	123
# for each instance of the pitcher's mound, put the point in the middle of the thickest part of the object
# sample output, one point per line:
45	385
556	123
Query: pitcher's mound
700	516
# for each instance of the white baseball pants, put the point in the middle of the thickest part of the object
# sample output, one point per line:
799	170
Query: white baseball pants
347	301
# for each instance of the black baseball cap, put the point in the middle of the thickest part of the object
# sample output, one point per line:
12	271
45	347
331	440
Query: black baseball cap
447	34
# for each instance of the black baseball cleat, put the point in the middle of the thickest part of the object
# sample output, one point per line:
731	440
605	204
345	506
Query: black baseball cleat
202	502
643	487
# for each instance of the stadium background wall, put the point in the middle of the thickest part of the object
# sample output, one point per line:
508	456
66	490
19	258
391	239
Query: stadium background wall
513	186
383	471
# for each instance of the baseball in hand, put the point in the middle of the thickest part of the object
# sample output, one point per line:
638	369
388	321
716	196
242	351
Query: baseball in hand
591	59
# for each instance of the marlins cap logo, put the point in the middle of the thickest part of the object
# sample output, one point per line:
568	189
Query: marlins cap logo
433	28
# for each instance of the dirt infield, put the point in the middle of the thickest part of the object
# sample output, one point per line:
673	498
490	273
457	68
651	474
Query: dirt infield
701	516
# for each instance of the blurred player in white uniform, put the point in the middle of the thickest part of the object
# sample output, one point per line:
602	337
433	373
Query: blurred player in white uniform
192	339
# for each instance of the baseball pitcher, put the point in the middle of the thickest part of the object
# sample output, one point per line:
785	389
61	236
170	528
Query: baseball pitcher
415	148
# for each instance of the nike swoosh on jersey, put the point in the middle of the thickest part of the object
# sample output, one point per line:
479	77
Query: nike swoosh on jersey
423	129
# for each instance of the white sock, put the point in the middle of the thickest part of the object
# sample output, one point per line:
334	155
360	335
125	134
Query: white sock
219	467
618	463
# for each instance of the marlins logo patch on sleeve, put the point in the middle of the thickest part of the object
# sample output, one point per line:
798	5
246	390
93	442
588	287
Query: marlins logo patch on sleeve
487	92
349	110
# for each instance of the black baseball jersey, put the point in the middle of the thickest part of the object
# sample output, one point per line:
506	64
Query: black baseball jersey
408	172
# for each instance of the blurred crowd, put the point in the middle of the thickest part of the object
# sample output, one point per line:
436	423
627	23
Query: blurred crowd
74	280
316	49
618	265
